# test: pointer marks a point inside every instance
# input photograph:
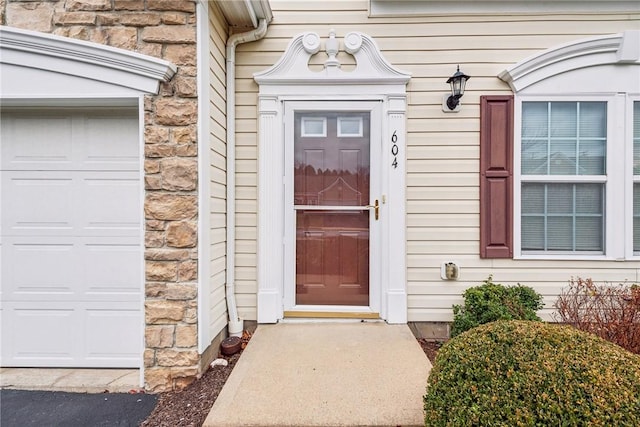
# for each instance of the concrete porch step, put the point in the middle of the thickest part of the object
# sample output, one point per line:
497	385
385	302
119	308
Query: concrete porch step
326	374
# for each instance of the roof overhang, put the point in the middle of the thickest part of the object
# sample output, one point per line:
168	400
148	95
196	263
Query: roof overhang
245	13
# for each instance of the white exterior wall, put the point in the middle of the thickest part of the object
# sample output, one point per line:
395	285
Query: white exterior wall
443	149
217	171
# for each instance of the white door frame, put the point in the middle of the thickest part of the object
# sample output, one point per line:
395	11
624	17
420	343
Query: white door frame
289	81
375	226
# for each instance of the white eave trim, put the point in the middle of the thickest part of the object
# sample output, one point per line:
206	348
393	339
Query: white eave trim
484	7
623	48
245	13
83	59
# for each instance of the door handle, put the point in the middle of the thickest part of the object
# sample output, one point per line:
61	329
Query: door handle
376	209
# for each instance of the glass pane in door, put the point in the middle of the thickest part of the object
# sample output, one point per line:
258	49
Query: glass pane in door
331	194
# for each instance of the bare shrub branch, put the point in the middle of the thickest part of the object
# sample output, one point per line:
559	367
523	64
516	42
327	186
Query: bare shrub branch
610	311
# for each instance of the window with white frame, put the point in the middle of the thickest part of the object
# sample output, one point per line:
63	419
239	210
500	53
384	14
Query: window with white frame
579	188
349	126
314	127
577	150
563	177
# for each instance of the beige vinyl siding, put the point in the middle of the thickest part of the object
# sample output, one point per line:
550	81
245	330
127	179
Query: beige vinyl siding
217	170
442	149
246	184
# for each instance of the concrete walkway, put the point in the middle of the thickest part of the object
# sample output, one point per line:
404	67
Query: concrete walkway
326	374
71	380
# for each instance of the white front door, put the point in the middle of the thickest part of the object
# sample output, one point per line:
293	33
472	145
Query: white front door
70	238
333	208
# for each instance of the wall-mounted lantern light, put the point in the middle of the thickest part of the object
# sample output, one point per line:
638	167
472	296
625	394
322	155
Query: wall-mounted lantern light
458	81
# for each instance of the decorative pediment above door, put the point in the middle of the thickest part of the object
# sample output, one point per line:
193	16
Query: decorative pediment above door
371	67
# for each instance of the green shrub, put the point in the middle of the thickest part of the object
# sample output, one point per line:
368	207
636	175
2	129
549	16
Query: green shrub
521	373
492	301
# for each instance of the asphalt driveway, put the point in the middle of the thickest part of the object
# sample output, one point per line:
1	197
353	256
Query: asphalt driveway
61	409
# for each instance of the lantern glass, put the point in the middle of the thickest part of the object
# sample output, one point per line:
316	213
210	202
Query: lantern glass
458	82
461	85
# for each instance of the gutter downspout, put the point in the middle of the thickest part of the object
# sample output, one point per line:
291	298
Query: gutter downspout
235	323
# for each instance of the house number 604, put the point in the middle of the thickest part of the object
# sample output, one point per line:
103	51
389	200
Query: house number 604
394	149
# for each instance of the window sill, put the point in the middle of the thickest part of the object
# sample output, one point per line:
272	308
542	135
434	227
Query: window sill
572	257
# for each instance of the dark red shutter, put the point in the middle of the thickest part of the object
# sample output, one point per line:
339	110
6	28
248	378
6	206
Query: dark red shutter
496	176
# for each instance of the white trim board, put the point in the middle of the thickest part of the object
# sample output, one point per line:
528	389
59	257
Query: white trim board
484	7
45	63
205	332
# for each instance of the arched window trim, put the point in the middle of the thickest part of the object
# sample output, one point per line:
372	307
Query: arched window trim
622	48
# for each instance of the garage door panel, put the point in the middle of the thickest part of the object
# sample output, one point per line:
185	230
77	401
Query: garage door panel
60	140
47	279
113	270
45	143
71	203
70	269
108	326
108	143
41	203
32	335
111	204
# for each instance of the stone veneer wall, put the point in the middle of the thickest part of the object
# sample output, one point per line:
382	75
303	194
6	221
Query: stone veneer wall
164	29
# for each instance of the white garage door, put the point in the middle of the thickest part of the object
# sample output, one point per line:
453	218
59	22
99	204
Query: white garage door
70	240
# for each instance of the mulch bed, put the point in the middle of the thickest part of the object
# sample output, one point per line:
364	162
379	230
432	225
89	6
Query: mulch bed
190	407
430	348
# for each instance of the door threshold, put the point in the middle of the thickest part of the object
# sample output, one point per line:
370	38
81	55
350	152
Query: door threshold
331	315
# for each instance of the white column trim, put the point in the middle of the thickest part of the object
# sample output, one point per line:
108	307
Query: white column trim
270	210
395	270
